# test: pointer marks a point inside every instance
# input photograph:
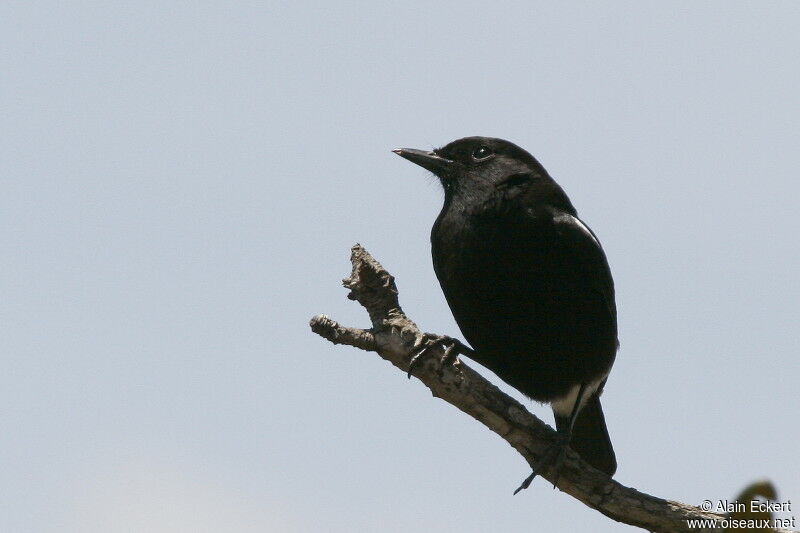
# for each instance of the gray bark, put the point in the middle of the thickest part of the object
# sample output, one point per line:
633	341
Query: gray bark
393	336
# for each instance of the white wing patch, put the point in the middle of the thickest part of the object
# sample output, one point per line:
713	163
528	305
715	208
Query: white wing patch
566	218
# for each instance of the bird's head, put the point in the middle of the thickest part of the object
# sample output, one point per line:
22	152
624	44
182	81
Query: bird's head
486	168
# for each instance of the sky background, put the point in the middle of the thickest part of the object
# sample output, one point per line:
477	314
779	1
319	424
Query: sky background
182	182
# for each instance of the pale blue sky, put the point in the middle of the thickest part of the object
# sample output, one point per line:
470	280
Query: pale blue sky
181	184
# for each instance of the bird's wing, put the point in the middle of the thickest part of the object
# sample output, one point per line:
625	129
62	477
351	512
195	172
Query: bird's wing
586	253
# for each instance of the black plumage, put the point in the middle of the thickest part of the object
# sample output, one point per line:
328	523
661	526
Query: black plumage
528	283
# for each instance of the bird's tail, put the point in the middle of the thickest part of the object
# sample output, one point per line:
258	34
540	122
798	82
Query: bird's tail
590	436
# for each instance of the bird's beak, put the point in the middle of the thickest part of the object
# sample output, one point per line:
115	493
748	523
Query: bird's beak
427	160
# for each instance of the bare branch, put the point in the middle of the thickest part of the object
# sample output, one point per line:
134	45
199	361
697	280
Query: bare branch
338	334
393	335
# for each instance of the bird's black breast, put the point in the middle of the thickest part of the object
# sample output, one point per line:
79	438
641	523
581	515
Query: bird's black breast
531	292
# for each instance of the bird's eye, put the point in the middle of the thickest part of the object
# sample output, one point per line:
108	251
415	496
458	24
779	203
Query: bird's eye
482	152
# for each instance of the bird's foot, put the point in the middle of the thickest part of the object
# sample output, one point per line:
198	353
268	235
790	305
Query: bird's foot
452	348
552	459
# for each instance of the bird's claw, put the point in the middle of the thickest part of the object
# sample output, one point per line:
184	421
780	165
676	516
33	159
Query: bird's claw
452	347
526	482
553	459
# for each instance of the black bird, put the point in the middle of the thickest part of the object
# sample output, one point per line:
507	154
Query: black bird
528	284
